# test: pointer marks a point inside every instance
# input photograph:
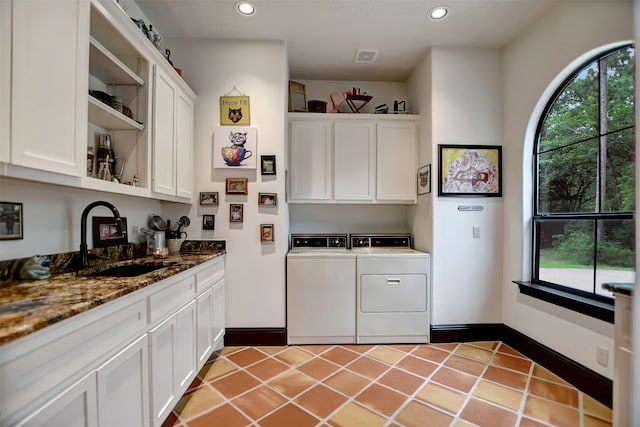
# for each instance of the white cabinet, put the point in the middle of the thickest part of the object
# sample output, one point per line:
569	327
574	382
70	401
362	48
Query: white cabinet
173	361
5	80
360	158
74	407
218	316
623	360
123	387
172	137
48	115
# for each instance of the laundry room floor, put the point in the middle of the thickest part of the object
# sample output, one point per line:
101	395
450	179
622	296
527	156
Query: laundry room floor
456	384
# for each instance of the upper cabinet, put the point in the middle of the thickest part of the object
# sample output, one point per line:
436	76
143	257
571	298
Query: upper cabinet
5	80
360	158
49	62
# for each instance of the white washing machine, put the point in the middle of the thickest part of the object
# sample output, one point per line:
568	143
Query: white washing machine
393	289
321	293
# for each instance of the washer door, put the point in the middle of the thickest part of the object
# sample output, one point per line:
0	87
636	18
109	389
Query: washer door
399	293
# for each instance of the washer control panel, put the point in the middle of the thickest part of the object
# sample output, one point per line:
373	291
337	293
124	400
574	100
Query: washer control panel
320	241
381	241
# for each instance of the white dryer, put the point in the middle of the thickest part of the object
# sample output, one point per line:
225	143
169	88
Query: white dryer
393	289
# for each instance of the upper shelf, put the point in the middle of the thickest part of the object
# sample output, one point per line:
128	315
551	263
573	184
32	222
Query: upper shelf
108	68
108	118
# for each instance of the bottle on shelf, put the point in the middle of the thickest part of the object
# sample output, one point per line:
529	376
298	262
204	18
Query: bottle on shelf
106	158
90	160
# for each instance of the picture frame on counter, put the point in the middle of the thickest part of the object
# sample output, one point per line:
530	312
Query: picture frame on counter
236	212
105	231
208	222
236	185
424	179
297	96
470	170
268	165
268	199
11	222
266	233
209	198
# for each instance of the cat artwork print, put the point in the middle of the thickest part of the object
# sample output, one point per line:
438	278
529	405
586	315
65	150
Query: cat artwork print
234	110
235	147
235	114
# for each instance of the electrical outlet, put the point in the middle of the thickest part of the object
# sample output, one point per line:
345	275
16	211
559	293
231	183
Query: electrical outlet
476	231
602	356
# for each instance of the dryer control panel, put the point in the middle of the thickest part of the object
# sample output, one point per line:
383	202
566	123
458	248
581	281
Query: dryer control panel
320	241
381	241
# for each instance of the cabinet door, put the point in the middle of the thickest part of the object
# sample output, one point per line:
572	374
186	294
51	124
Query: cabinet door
75	407
185	347
164	104
5	80
396	161
354	161
123	387
204	326
310	160
184	146
49	115
218	316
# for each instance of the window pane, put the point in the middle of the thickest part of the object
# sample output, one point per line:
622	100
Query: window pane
567	179
620	177
615	249
574	113
620	83
566	253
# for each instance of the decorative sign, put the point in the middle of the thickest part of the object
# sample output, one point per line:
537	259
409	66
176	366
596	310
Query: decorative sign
234	110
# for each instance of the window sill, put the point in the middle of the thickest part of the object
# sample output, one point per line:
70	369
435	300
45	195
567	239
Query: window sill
586	306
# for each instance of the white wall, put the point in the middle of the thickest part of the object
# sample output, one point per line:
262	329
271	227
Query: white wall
255	272
533	65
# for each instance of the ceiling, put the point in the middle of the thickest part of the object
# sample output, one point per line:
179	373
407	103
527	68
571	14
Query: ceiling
322	36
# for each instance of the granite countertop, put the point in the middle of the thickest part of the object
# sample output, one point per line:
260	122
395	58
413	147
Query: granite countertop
27	306
621	288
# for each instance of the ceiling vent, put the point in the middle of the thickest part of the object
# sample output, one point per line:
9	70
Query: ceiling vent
365	56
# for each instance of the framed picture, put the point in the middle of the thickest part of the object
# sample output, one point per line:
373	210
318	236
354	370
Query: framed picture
424	179
470	170
209	198
266	232
208	222
11	224
234	147
105	231
235	212
237	185
268	165
297	96
234	110
267	199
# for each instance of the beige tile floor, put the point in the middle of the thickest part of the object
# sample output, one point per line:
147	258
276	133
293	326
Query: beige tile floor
457	384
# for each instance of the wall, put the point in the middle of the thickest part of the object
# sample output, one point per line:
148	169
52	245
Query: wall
533	65
255	272
460	88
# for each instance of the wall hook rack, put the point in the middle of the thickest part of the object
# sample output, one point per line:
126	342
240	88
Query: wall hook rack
234	91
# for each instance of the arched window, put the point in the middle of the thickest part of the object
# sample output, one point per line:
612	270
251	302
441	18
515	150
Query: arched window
583	227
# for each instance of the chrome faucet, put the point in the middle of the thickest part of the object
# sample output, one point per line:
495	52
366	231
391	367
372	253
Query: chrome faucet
84	253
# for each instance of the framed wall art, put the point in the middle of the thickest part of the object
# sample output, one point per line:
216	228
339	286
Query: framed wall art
297	96
235	147
268	165
236	212
470	170
236	185
424	179
266	232
11	223
209	198
105	231
234	110
208	222
267	199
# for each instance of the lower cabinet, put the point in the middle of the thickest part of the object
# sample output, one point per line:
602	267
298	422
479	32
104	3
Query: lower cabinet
210	322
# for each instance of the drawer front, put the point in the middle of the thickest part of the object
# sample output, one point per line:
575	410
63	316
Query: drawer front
399	293
210	275
170	298
61	356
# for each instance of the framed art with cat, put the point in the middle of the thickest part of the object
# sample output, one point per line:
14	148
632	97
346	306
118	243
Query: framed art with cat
235	147
234	110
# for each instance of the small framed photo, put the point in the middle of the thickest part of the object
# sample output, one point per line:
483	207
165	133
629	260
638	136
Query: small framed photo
424	179
208	222
209	198
297	96
268	164
11	224
266	232
237	185
236	212
267	199
470	170
106	232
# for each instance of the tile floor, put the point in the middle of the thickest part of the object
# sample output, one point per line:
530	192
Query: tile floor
466	384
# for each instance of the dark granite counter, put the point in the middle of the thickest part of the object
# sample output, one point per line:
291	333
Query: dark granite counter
27	306
621	288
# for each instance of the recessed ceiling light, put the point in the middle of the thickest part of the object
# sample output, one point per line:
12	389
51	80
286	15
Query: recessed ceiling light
438	13
245	8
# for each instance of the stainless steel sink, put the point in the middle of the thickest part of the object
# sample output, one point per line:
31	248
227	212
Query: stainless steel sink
129	270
